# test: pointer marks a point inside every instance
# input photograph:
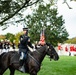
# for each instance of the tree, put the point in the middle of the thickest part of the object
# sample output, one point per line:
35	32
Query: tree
71	41
11	11
17	36
11	8
46	18
10	36
2	37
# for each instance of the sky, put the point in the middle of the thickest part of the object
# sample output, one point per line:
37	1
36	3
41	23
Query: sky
69	15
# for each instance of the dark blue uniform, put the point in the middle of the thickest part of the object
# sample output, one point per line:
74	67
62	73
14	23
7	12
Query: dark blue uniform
1	45
24	41
23	48
6	45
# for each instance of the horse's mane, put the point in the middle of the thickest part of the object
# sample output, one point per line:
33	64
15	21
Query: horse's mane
38	51
40	48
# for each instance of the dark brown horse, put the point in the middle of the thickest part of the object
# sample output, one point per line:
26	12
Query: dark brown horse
33	63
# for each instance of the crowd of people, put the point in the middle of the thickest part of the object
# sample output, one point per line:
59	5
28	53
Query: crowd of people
5	45
69	47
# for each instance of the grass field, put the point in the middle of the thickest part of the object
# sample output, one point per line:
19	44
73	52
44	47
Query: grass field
66	65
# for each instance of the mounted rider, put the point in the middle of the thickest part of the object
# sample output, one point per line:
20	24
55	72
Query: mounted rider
23	48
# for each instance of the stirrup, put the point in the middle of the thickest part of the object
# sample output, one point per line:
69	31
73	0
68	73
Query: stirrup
22	69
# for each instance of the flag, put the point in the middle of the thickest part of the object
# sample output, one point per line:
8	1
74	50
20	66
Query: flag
42	38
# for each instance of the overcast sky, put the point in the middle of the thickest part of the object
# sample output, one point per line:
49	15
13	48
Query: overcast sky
70	17
68	14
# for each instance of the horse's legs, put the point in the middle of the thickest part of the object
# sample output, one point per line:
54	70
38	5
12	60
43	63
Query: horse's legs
12	70
2	70
33	74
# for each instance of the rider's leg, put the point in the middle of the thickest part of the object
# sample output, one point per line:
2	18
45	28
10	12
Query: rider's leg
21	61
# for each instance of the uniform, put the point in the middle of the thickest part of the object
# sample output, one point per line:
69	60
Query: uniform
13	45
1	46
6	46
23	47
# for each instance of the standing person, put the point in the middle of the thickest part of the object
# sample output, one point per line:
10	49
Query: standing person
13	45
4	44
23	47
1	45
8	45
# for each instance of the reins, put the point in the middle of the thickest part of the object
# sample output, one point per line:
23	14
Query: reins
33	58
38	52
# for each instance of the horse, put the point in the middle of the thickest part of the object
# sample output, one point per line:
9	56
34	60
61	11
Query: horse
32	64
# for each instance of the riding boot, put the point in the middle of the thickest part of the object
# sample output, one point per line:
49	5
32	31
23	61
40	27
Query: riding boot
21	62
21	68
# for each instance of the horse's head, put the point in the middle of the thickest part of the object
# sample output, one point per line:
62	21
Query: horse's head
52	52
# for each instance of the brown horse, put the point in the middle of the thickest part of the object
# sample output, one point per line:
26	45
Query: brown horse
33	62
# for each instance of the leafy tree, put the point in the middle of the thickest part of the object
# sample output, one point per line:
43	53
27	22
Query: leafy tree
17	36
11	11
46	18
72	41
10	36
2	37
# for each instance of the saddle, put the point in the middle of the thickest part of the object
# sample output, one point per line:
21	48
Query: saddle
15	58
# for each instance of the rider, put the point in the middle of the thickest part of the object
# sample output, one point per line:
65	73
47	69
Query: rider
23	48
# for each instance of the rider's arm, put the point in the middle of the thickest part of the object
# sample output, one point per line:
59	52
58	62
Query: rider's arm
29	43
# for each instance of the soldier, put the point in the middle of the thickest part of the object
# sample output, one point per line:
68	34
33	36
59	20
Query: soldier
13	45
6	45
23	48
1	45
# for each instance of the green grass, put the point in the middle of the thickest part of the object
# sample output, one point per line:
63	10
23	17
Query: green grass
66	65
